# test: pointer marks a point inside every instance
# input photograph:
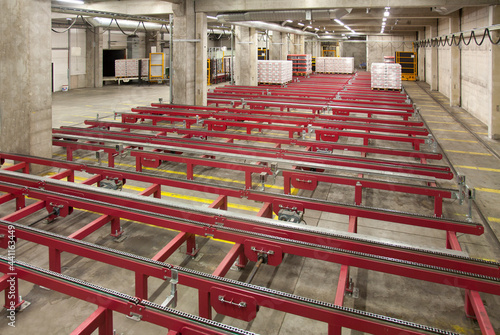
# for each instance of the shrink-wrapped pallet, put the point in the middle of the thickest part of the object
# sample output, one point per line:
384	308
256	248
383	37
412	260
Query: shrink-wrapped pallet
274	71
386	76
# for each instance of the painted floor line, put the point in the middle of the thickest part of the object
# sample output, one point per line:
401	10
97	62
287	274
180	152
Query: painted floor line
489	190
477	168
454	140
469	152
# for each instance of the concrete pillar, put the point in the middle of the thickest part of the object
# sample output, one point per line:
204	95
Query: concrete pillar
455	61
434	79
94	57
188	74
494	123
277	46
25	77
421	57
245	56
201	59
157	42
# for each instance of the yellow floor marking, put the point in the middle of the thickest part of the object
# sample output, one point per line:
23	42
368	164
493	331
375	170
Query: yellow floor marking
492	219
469	152
489	190
441	122
69	121
178	172
454	140
89	105
477	168
455	131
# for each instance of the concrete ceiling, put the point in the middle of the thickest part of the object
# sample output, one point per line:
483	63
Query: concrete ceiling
365	17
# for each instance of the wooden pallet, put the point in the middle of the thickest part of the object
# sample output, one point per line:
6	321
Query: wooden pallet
385	89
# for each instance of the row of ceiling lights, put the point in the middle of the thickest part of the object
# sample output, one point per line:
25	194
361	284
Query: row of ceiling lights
384	20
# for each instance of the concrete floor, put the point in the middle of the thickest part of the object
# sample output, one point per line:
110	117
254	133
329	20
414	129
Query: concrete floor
430	304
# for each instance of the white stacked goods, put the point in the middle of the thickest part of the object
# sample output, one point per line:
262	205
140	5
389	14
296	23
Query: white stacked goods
274	71
130	67
386	76
120	68
335	64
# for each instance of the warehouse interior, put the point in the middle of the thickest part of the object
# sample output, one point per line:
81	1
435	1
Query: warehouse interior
250	167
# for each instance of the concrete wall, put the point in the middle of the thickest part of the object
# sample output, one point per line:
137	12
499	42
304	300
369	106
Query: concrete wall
476	67
379	46
354	49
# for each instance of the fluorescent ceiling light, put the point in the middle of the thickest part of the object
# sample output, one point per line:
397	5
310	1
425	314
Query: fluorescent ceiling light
339	22
387	7
300	24
384	19
76	2
288	20
326	32
211	17
309	27
386	13
316	28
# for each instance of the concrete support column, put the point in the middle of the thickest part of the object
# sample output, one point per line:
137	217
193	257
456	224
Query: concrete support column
278	46
201	59
157	42
421	57
245	56
94	40
25	74
455	61
188	74
434	77
494	123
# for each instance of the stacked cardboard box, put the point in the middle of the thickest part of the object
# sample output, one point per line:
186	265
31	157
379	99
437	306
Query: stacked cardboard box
386	76
302	64
120	68
335	64
274	71
130	67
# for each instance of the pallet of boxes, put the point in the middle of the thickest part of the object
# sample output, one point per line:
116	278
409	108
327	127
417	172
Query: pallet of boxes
274	72
340	65
302	64
386	76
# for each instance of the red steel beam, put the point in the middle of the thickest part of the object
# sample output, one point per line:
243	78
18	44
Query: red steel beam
295	247
101	319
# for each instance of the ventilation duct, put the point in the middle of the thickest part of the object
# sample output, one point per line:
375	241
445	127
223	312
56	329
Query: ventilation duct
282	15
445	10
273	27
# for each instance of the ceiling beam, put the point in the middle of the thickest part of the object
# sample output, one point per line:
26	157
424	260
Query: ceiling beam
211	6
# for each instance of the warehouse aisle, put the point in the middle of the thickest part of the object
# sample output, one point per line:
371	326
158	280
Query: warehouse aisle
466	153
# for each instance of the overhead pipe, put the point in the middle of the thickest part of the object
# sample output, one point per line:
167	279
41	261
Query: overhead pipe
274	27
283	15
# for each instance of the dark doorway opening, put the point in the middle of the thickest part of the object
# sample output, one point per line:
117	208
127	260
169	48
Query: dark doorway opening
108	61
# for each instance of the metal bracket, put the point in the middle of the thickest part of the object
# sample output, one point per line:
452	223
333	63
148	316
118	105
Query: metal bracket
135	312
262	252
263	179
241	304
171	300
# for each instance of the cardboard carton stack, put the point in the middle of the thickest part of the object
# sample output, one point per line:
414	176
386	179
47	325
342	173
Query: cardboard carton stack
335	65
128	68
386	76
274	71
302	64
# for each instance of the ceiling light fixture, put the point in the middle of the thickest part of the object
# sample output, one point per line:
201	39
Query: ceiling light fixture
316	29
384	19
386	13
300	24
76	2
310	27
211	17
339	22
288	20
